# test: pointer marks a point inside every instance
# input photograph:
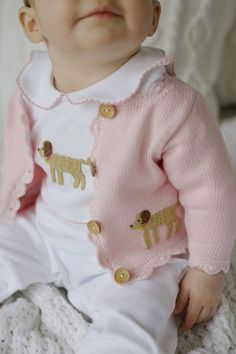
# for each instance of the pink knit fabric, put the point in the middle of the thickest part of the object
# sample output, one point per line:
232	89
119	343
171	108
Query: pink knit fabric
159	148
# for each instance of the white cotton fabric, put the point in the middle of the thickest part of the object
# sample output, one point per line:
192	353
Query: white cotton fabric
136	318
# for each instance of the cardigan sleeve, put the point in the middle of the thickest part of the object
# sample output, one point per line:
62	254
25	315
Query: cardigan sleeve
19	182
197	164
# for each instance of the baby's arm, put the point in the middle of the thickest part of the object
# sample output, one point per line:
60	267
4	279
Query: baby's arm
18	169
199	296
196	162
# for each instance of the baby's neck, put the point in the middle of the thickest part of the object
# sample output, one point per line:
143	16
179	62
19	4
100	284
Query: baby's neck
76	73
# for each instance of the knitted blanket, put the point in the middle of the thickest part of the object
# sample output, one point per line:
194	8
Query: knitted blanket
41	320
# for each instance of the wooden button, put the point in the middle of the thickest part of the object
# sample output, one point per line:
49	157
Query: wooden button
107	111
121	275
94	227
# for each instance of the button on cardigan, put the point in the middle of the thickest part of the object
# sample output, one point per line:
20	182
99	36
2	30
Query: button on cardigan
167	174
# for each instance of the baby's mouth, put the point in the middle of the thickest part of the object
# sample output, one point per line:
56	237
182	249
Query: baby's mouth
104	12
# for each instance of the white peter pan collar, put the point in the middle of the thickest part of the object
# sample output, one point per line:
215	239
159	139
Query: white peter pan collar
35	80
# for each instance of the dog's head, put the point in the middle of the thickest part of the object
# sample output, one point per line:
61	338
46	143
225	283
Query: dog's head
141	220
46	150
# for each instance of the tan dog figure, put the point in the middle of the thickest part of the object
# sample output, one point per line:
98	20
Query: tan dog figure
147	222
60	163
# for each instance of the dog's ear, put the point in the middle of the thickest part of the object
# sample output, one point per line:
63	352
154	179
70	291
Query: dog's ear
47	148
145	216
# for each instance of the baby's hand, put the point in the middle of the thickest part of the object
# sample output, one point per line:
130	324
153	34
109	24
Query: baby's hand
199	295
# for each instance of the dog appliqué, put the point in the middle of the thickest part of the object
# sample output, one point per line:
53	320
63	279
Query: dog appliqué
147	222
60	164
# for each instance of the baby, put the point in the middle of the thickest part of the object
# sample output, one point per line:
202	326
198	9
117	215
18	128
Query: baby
116	183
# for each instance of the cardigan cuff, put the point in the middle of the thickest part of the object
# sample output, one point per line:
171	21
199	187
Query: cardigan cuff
209	266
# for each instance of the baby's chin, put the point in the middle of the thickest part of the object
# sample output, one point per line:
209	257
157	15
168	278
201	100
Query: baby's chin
101	33
102	45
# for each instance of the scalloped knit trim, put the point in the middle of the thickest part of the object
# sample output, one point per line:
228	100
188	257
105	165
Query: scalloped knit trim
209	268
25	179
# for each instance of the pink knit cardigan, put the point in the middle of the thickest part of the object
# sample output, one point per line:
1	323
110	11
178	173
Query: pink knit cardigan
160	148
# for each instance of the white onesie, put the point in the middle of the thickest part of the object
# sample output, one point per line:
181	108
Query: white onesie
49	242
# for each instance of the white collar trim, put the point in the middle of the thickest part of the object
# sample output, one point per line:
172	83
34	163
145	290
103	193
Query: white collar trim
106	91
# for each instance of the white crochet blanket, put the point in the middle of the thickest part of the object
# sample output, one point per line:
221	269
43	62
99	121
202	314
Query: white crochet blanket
41	320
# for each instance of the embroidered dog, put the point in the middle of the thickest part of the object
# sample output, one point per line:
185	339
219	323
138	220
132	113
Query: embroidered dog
146	222
60	164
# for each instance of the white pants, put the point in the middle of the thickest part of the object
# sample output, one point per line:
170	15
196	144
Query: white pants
135	318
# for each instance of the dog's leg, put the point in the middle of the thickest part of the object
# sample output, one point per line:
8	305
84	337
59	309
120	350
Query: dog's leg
53	175
147	238
177	223
83	181
79	179
155	234
60	177
170	229
76	182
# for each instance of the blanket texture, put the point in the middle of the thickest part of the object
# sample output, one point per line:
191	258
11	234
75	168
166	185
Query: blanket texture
41	320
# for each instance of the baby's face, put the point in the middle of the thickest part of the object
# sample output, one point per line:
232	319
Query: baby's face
68	25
